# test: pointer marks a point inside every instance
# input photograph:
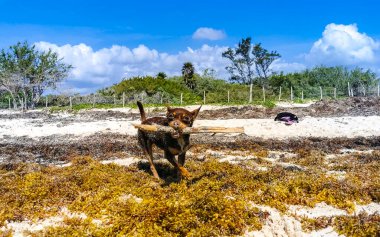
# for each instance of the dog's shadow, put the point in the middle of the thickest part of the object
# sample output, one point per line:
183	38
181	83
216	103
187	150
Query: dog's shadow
167	172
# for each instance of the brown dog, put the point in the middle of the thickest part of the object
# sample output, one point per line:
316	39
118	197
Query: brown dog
172	144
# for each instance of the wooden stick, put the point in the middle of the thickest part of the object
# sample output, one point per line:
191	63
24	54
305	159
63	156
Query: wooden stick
203	129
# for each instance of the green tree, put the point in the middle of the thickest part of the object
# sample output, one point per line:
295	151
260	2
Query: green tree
188	75
249	64
161	75
361	81
25	73
241	67
209	72
263	59
309	80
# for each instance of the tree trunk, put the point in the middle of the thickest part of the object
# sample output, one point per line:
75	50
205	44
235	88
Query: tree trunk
21	101
14	101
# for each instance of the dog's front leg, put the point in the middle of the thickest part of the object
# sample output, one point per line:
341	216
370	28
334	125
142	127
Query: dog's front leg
181	162
182	170
181	158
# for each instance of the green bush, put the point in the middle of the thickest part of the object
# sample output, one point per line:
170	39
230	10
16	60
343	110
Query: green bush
170	89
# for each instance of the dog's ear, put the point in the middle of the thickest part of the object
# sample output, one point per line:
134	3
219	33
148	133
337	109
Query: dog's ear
169	111
195	112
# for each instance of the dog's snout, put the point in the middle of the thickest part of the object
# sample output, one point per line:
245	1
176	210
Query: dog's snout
176	124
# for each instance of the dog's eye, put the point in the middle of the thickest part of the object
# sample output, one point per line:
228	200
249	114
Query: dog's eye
170	116
186	119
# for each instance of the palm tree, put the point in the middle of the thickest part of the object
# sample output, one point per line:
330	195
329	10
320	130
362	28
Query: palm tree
188	75
161	75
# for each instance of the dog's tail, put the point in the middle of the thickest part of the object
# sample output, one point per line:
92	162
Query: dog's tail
142	112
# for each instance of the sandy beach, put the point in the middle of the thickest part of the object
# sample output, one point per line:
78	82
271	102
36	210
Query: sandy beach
349	126
108	135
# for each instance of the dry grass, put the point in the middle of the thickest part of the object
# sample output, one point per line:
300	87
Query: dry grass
215	201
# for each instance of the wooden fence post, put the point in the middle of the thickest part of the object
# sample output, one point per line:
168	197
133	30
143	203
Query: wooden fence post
302	95
363	91
46	102
228	96
181	98
279	96
204	97
320	89
114	99
71	103
334	92
291	93
9	103
123	99
250	93
264	93
162	95
348	88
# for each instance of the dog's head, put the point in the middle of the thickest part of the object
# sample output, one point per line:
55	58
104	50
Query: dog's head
180	119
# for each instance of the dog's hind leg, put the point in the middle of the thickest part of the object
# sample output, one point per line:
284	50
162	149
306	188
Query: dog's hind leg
149	153
147	146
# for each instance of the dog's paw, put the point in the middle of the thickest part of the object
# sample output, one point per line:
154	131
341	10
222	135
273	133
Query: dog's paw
184	172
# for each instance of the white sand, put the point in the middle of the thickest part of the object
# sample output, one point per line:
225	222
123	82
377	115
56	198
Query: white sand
324	210
25	127
308	127
263	128
284	225
370	209
122	162
287	225
320	210
20	229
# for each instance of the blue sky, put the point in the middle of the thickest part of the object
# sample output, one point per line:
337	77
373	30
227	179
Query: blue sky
108	40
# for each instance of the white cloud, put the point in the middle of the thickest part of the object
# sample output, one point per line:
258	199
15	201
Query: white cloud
209	34
343	45
280	65
94	69
104	67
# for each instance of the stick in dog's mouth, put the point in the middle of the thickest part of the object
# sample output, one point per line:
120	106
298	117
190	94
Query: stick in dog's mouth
177	133
188	130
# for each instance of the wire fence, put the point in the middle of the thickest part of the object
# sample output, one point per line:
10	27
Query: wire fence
249	95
